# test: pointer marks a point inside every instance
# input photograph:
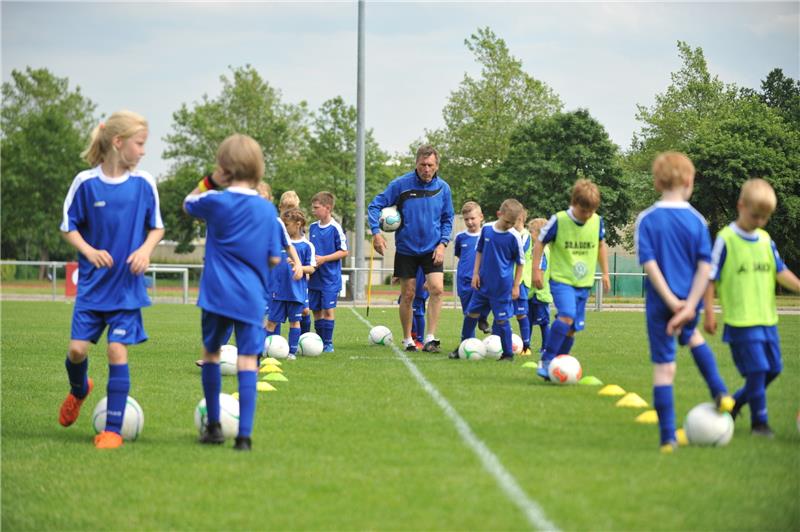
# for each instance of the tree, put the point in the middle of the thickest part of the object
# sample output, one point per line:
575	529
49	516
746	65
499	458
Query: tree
547	155
782	94
247	104
481	115
45	127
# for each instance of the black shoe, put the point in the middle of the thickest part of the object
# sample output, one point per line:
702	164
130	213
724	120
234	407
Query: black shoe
411	348
454	354
762	429
243	443
483	325
431	347
212	434
506	358
736	409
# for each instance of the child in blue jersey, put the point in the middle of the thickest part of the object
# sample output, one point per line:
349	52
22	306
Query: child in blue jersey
577	245
539	299
497	275
418	307
521	302
330	244
242	241
745	275
290	200
290	295
112	217
673	246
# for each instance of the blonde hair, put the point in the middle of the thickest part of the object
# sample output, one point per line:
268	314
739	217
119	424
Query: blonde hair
264	190
123	124
324	198
672	169
289	200
758	194
535	225
469	207
512	207
294	215
240	157
585	194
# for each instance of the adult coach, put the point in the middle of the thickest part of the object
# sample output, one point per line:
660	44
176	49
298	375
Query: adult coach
426	206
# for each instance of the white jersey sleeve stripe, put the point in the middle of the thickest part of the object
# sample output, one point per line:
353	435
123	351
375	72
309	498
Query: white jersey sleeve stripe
80	179
152	182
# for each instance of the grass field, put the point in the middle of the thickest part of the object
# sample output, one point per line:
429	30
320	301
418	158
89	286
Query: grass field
353	441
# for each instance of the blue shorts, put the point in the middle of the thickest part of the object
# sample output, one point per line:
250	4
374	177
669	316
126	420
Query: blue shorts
521	303
756	357
662	345
124	326
570	302
418	306
465	298
217	331
281	311
538	312
319	300
502	309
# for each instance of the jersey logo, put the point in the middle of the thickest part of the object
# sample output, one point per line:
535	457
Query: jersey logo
100	203
579	269
119	332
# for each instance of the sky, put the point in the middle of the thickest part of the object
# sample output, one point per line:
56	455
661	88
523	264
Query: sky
152	57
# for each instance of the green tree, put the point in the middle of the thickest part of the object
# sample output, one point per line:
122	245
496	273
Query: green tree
481	115
547	155
45	127
782	93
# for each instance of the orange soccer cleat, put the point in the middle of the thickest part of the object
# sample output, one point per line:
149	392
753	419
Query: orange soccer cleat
71	407
108	440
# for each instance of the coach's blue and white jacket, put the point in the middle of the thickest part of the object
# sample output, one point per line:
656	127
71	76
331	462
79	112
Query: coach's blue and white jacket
426	210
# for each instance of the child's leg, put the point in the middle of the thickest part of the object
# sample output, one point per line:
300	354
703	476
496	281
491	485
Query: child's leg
294	336
247	375
119	384
755	384
305	322
327	324
559	332
419	325
707	364
468	326
211	379
77	365
663	377
502	328
524	330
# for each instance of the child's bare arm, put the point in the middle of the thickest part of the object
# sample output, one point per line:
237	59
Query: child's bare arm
788	280
336	255
476	278
688	311
536	271
517	281
139	260
602	257
660	285
100	258
709	319
294	259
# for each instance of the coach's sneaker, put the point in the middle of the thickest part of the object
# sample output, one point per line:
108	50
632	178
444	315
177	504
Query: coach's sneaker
409	345
212	433
483	325
724	402
763	430
71	407
681	438
431	346
243	443
107	440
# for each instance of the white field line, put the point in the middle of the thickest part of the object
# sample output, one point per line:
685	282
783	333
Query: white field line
530	508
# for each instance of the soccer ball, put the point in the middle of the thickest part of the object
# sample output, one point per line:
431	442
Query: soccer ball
228	354
390	219
132	422
228	415
516	344
472	349
704	425
309	344
276	346
565	369
380	335
493	346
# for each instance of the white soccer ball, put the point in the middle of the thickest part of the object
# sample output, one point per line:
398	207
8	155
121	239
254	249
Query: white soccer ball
390	219
565	369
276	346
132	422
493	346
228	415
472	349
516	344
380	335
309	344
228	354
705	425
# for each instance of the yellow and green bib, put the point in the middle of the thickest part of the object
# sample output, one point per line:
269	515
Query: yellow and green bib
574	250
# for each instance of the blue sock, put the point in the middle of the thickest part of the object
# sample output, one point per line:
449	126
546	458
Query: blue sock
119	384
305	324
757	397
558	332
567	345
247	400
277	329
525	331
294	338
505	338
468	327
662	401
319	327
419	322
78	377
545	332
212	385
328	330
705	362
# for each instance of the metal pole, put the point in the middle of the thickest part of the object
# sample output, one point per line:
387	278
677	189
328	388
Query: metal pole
358	287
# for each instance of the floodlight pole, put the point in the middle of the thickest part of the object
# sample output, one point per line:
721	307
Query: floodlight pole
358	284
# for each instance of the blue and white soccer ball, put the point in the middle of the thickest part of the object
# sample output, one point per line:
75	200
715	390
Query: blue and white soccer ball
472	349
276	346
309	344
380	335
228	415
494	347
228	355
132	422
705	425
390	219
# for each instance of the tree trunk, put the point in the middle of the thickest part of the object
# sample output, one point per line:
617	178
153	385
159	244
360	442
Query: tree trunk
44	255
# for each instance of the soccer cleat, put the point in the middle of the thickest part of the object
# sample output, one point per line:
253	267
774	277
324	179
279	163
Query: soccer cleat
411	348
327	348
669	447
736	409
453	354
291	356
526	352
243	443
483	325
763	430
431	346
71	407
724	402
107	440
542	372
680	437
506	358
212	433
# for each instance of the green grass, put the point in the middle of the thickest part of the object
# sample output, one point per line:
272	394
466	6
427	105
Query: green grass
353	442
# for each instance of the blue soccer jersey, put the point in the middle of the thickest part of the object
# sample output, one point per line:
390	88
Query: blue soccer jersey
500	252
676	236
286	288
327	239
113	214
242	233
464	249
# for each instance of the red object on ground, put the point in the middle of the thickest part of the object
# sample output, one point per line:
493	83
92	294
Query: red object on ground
71	286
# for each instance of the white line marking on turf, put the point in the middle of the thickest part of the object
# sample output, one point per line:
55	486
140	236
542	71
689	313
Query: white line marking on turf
491	463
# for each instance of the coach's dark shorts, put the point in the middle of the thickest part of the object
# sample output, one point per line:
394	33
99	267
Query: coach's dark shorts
406	266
